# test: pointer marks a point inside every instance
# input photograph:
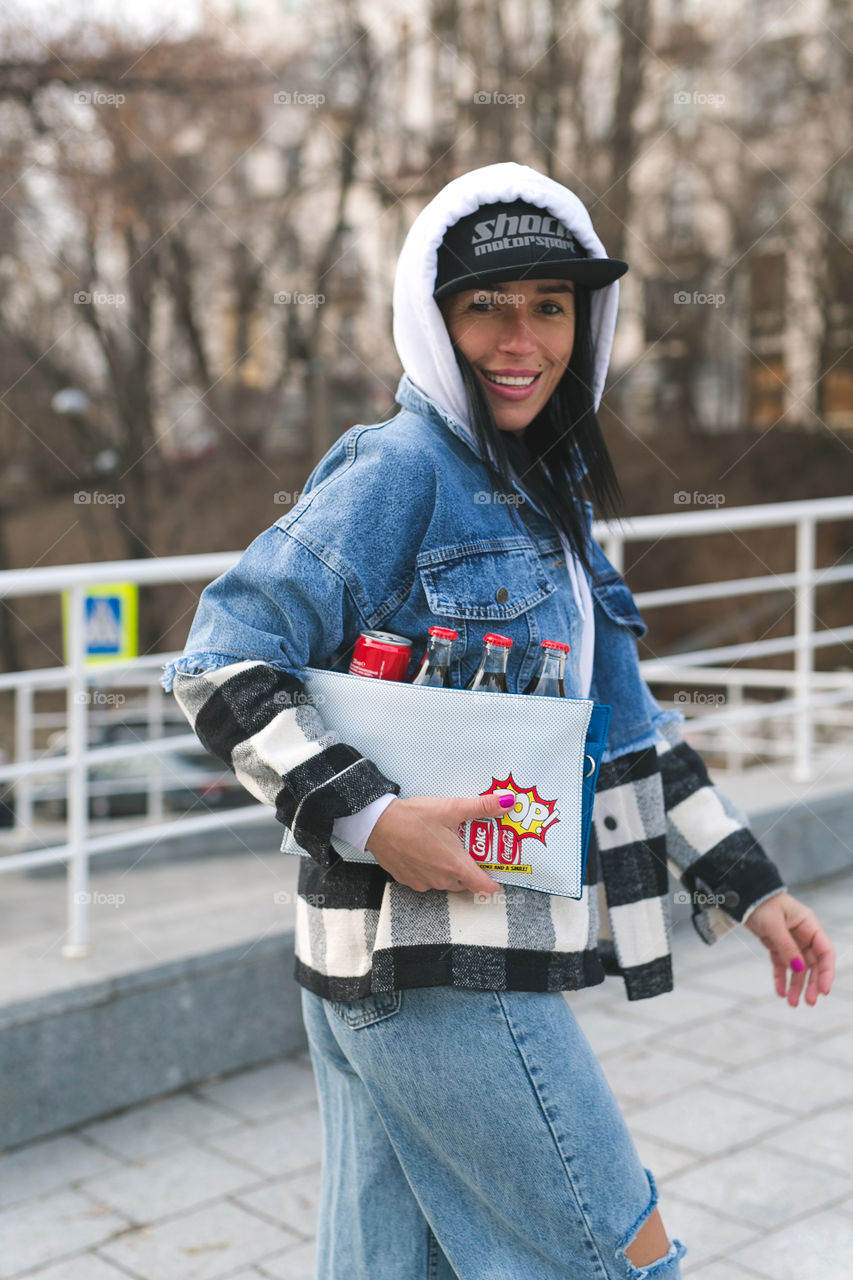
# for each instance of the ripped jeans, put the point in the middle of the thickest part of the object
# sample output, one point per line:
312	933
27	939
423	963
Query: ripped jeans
471	1135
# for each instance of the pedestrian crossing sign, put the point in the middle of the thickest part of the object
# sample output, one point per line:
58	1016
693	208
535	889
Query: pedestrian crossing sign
110	622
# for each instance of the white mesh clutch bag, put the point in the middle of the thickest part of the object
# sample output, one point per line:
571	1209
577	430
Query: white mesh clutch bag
458	742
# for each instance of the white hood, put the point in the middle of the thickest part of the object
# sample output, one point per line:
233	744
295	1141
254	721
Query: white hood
423	343
420	336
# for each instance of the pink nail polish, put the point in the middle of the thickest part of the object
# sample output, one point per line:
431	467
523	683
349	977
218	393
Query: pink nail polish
506	801
797	965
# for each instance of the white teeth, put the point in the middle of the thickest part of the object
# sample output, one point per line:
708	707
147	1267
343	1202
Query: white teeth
511	382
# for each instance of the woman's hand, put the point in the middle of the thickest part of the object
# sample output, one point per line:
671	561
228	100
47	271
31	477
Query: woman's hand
798	947
417	842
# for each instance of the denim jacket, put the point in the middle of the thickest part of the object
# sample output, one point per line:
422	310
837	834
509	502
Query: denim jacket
398	529
388	536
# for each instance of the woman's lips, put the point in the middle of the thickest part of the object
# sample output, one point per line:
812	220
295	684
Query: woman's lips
512	386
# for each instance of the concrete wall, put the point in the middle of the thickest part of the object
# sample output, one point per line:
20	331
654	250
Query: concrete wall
73	1055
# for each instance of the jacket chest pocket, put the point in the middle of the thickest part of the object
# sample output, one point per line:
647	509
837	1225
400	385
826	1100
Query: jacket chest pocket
613	594
491	583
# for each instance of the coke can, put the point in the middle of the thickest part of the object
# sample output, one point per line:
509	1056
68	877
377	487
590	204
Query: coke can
382	655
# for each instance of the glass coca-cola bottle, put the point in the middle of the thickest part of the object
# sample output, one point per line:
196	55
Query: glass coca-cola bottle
435	667
548	678
491	673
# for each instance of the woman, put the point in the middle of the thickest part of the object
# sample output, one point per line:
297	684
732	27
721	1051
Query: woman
468	1128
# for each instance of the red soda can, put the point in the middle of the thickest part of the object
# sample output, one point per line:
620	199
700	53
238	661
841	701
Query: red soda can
382	655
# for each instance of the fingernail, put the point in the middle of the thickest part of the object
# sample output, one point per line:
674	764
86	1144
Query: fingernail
797	965
507	800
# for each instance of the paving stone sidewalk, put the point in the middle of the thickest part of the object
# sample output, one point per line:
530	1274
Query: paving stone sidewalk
742	1107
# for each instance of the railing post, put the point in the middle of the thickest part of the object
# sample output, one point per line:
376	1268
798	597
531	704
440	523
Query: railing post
804	652
154	763
24	752
77	944
734	749
614	549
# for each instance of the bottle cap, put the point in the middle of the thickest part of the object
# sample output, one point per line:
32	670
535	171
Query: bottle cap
504	641
556	644
444	633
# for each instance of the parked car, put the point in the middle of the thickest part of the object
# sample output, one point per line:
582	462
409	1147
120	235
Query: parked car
193	781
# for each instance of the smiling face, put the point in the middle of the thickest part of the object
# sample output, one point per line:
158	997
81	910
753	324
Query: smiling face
518	336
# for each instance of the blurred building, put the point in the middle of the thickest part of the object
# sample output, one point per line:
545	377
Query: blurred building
737	308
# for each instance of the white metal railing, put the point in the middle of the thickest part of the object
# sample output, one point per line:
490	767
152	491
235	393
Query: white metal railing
807	684
76	678
812	692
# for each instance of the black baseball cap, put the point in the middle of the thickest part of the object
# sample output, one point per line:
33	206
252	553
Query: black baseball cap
515	241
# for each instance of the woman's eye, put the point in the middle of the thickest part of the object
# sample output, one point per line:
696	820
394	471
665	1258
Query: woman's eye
482	306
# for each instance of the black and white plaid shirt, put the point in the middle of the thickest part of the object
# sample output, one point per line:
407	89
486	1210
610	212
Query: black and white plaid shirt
358	931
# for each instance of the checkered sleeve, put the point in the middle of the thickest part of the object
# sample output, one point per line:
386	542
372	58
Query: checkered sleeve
257	719
709	844
278	610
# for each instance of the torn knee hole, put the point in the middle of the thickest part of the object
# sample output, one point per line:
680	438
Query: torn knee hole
649	1244
646	1246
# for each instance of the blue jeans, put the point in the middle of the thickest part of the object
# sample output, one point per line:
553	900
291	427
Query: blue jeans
471	1135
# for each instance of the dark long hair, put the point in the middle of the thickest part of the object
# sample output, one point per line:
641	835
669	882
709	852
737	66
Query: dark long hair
562	456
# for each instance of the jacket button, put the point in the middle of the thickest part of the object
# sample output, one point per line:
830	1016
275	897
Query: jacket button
610	823
501	595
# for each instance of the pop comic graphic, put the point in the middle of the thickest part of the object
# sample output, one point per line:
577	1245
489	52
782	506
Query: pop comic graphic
496	843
